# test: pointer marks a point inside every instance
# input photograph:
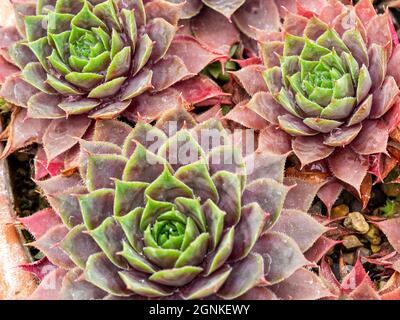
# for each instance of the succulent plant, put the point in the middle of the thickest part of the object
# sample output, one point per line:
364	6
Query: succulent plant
50	73
158	212
79	57
333	91
357	284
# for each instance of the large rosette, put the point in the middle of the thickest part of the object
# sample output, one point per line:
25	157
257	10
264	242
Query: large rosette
158	212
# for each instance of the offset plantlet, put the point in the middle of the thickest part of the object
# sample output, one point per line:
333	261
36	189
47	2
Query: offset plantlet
333	87
157	215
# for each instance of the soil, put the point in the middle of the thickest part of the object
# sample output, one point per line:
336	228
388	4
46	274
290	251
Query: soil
27	198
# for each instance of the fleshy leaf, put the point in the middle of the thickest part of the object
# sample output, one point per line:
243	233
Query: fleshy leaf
245	275
103	274
269	194
96	207
177	276
79	245
248	230
281	256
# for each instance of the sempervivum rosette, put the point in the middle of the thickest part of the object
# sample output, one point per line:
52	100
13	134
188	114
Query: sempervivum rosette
82	60
83	57
332	86
156	215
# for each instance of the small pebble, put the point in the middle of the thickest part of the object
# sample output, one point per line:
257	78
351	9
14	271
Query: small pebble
351	242
373	235
356	221
391	189
349	258
364	252
375	248
340	211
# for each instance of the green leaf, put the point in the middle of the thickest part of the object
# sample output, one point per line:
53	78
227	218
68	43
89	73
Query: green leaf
215	222
143	166
351	66
148	238
98	64
107	89
152	210
290	65
41	50
181	149
195	253
339	108
59	22
148	136
293	45
164	258
78	107
96	207
58	64
287	102
86	19
130	226
106	12
120	64
142	53
84	80
128	196
307	67
35	27
295	83
322	125
322	96
343	87
310	108
192	208
364	84
221	255
142	286
191	233
176	276
331	40
34	74
129	22
62	86
313	51
108	236
103	36
116	43
167	188
137	261
333	61
77	63
59	41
